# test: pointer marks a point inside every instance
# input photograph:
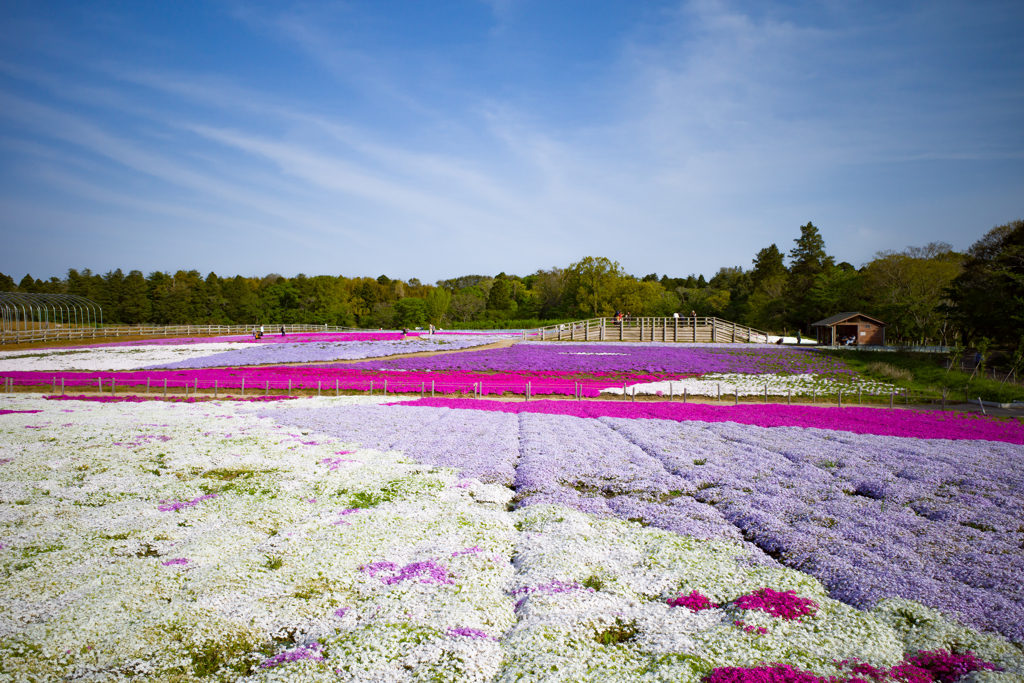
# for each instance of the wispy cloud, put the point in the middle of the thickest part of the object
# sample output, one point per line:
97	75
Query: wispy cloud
714	129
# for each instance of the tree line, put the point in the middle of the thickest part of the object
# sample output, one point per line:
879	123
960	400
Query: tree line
927	295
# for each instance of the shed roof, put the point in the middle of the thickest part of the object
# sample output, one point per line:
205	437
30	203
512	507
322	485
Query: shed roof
842	317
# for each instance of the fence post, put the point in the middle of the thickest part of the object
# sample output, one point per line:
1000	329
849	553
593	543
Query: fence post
319	384
719	392
686	394
891	396
113	386
61	386
371	387
670	391
266	390
99	383
431	388
337	388
55	384
289	387
165	387
385	387
195	392
215	388
789	396
840	398
766	394
623	391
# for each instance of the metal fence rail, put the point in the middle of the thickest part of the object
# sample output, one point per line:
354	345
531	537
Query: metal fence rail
114	385
650	329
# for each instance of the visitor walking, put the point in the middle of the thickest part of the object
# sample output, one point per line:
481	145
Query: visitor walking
282	330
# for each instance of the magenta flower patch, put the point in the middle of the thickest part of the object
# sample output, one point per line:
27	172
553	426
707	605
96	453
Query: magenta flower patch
787	605
695	601
776	673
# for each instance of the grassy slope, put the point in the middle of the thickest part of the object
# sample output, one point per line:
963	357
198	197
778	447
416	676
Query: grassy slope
929	376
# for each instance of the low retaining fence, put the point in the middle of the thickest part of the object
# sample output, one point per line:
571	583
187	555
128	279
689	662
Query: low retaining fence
162	387
72	333
650	329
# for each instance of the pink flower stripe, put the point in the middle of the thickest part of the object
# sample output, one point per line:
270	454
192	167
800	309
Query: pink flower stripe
271	336
904	423
938	666
13	412
350	379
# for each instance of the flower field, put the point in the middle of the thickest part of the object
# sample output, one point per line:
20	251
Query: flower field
223	351
382	538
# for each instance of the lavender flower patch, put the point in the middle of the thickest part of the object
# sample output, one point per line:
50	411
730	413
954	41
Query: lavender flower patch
583	465
319	352
644	357
482	445
836	506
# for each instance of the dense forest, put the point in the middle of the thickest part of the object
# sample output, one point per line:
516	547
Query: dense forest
928	294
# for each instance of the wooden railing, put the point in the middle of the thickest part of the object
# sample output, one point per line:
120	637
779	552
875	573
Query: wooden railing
54	333
699	329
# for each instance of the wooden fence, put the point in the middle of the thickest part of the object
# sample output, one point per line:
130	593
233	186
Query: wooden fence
699	329
71	333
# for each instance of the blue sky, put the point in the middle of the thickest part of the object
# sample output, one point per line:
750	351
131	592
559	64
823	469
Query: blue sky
435	139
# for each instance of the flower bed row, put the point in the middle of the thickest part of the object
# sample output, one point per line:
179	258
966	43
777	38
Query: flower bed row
648	357
243	351
726	480
212	541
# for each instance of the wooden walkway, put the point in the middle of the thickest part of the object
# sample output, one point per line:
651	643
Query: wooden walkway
700	329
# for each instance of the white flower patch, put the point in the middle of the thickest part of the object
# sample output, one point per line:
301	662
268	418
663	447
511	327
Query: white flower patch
110	357
230	541
754	385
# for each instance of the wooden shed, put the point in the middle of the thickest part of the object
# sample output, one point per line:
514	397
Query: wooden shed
865	330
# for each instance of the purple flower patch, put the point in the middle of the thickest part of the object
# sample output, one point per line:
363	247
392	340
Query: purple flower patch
175	505
176	561
473	633
310	652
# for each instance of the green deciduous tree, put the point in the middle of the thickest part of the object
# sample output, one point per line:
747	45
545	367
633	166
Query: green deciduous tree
592	285
410	312
438	301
